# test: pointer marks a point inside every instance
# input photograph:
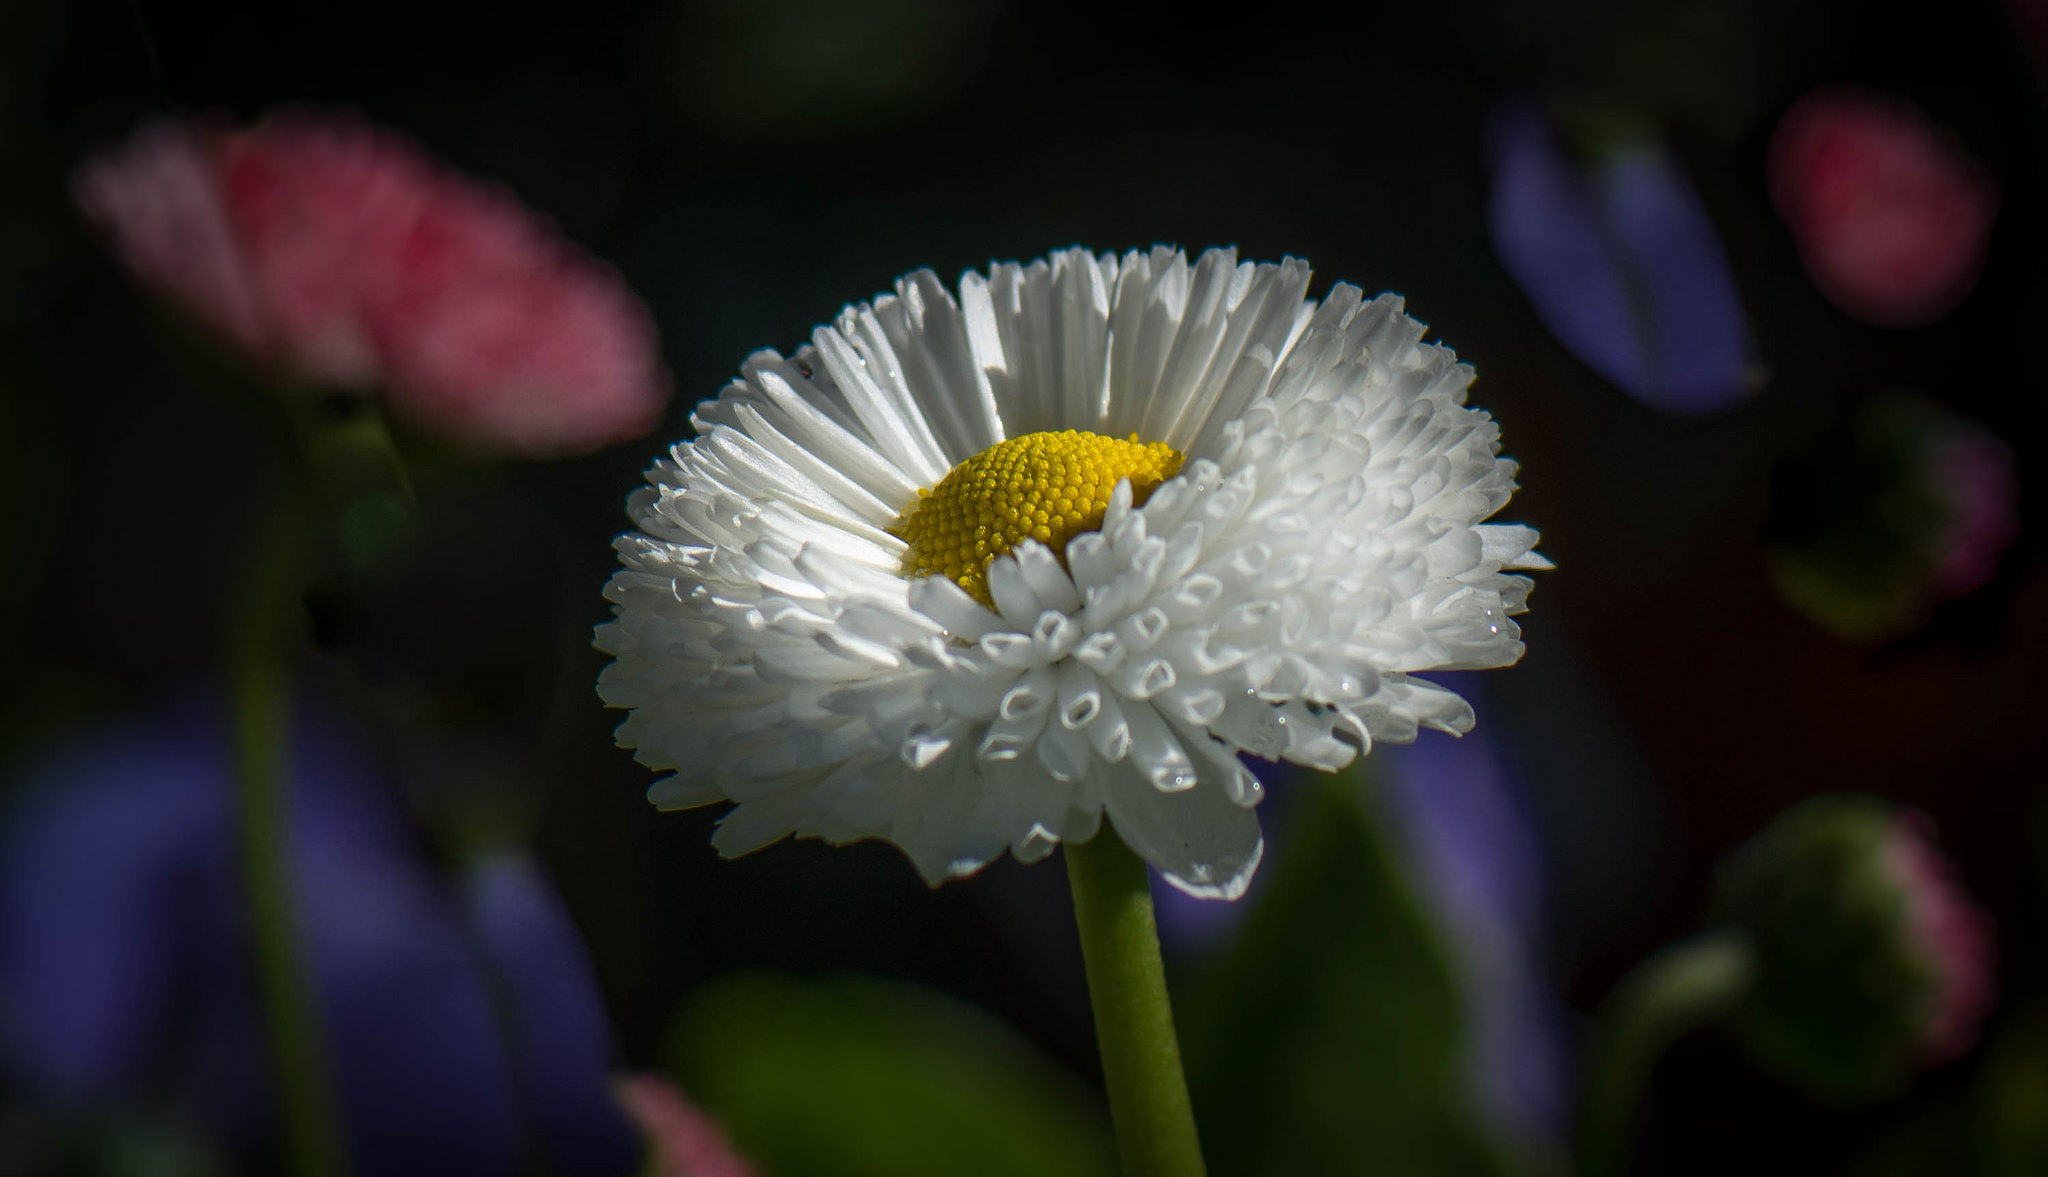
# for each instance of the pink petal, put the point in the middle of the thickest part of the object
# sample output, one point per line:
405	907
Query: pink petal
159	197
493	326
311	201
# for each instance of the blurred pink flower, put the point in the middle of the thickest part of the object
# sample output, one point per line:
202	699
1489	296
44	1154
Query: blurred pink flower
1890	213
335	252
1950	936
684	1139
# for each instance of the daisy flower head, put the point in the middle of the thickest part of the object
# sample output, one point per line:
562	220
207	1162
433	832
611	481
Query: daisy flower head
969	573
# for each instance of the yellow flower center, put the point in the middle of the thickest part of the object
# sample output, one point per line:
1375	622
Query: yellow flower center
1044	486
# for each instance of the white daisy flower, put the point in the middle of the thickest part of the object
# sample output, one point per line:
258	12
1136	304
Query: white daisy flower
968	574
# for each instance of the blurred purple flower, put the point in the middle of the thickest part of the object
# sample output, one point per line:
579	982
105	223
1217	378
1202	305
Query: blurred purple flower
124	972
1621	262
1453	806
562	1050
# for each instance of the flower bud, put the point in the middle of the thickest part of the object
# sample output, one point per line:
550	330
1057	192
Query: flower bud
1905	506
1870	961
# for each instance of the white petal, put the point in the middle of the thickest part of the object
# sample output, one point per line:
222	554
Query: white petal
1202	843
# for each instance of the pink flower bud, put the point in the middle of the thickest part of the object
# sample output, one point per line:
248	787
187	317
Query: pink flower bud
333	252
1870	961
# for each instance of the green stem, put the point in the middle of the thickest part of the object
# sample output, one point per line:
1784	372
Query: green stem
264	624
1679	990
1148	1094
362	486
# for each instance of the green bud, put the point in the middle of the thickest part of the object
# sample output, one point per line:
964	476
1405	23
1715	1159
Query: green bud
1870	961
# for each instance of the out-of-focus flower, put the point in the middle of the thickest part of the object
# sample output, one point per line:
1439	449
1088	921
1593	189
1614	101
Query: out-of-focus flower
1471	857
1476	866
124	973
1621	262
334	252
1869	960
686	1141
1891	215
560	1041
1468	883
1911	507
967	575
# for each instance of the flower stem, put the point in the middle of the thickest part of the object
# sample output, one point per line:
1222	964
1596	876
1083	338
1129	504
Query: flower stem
1678	990
262	691
1148	1094
361	486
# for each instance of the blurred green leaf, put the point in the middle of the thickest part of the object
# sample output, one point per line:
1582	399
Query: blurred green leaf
1328	1039
849	1076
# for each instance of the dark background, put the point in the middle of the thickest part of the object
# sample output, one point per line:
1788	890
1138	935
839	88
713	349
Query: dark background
751	168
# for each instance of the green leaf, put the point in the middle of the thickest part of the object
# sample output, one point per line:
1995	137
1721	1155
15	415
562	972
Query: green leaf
849	1076
1328	1039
